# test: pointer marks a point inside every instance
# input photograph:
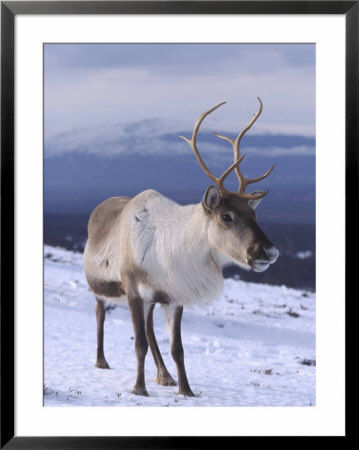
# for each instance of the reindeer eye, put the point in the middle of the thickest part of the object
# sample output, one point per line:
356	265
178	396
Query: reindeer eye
226	218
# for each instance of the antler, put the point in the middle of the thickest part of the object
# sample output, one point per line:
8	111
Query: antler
193	143
244	182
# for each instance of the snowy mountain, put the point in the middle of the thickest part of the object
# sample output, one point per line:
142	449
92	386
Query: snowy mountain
254	346
85	166
161	137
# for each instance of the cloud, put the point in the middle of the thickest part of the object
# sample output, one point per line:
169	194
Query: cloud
100	84
175	57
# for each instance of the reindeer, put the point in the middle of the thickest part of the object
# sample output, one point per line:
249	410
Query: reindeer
148	249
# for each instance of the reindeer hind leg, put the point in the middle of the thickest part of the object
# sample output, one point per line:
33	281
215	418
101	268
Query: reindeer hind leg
163	376
173	316
100	310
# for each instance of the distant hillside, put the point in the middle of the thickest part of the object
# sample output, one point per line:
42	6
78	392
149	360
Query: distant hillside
76	183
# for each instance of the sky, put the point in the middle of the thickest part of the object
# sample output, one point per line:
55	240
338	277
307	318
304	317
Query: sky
95	85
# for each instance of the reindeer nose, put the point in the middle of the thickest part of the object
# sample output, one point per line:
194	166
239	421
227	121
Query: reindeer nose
262	257
272	254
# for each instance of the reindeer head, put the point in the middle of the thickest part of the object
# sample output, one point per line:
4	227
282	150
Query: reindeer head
232	226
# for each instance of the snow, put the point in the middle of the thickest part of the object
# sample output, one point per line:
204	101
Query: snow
254	346
304	255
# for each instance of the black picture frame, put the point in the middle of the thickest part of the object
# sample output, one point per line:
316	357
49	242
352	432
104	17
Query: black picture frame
9	10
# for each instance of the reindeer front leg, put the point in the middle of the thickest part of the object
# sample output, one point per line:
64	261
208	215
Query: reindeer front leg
141	345
173	315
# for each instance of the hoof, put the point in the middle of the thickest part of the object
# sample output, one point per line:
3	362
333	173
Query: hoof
102	364
165	380
186	392
140	391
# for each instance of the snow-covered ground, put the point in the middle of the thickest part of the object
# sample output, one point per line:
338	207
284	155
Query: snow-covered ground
255	346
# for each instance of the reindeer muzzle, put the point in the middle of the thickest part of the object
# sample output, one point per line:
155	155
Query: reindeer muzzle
268	256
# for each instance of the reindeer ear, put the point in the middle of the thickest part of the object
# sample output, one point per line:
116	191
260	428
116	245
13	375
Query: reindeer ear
254	203
211	198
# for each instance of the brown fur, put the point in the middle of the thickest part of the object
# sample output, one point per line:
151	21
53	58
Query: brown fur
106	289
98	228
